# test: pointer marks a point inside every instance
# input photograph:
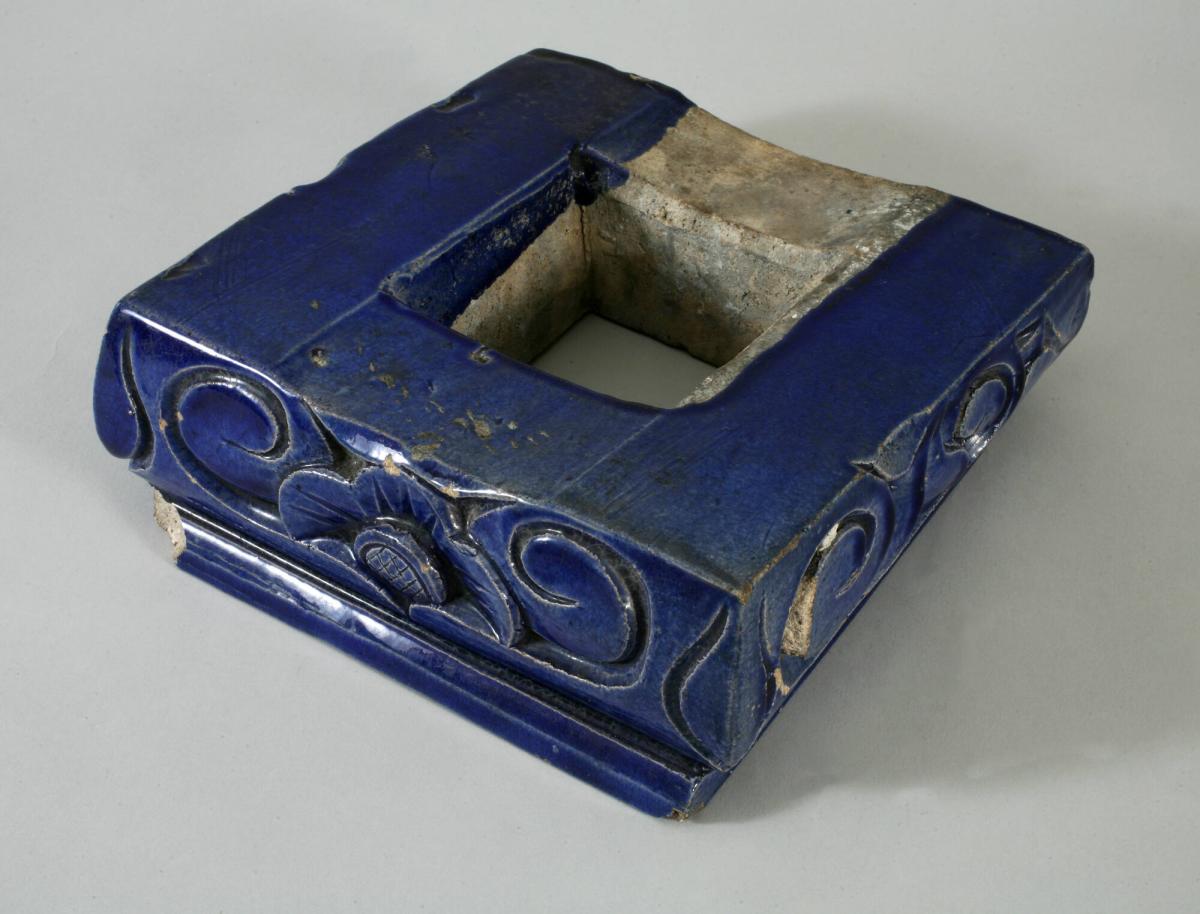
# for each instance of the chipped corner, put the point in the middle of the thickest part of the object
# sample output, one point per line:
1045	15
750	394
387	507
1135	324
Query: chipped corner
166	515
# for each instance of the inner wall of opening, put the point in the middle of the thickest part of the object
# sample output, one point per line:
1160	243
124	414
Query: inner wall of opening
686	288
715	244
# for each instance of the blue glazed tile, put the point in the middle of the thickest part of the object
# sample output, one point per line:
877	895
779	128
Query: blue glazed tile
333	399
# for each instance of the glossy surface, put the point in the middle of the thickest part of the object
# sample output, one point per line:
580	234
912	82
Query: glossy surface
629	592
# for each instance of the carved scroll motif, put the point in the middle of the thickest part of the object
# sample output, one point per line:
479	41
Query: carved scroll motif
406	539
918	464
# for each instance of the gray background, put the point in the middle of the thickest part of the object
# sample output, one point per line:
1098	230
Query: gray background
1013	724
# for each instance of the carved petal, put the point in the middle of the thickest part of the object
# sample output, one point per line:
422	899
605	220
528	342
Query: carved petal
386	494
316	502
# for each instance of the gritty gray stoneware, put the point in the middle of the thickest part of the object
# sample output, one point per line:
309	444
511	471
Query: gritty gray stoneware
334	404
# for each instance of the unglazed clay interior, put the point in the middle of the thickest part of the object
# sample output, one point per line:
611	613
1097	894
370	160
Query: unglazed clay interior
715	244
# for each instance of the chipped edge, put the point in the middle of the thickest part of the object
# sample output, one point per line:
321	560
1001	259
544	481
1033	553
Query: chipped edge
166	515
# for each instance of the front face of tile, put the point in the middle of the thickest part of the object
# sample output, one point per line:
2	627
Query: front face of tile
552	596
655	579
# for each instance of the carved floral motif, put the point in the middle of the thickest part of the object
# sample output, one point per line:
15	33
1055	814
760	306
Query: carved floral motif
406	537
555	593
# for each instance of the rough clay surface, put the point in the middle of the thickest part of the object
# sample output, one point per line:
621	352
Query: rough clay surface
822	222
167	517
716	244
538	298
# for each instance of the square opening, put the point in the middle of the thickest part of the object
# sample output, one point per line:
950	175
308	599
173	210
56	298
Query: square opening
686	289
603	356
715	244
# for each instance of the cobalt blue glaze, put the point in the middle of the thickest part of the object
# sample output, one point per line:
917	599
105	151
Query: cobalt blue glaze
603	583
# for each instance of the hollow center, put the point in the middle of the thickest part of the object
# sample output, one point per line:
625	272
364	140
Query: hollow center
670	303
611	359
714	245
